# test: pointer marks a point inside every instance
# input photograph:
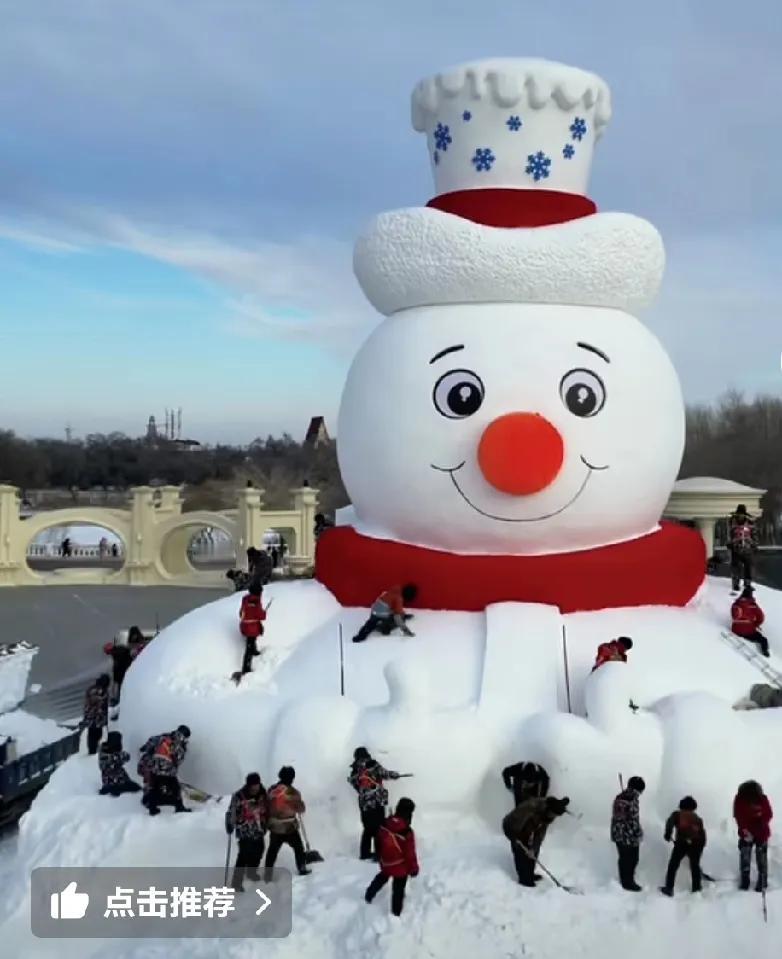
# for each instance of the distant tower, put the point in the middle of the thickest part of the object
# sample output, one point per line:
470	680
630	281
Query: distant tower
179	423
68	434
151	430
317	434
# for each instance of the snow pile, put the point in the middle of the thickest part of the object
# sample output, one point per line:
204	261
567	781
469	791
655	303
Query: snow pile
29	732
466	902
15	663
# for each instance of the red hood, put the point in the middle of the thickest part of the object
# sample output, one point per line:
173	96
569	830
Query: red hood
664	568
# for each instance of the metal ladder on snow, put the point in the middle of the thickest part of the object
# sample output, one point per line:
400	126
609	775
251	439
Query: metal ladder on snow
748	650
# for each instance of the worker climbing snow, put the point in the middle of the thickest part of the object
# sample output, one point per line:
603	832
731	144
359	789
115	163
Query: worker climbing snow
527	780
614	652
367	778
285	807
685	828
388	613
525	828
247	815
747	618
251	617
397	856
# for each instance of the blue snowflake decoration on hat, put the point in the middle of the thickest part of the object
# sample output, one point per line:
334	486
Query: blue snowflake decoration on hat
538	165
442	137
483	159
578	128
513	123
568	151
466	116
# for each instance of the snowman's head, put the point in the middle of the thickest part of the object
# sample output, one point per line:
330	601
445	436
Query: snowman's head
509	428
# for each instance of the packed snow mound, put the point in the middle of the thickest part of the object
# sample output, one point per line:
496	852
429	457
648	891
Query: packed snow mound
29	732
465	903
513	682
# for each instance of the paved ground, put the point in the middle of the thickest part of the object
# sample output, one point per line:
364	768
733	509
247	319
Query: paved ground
70	624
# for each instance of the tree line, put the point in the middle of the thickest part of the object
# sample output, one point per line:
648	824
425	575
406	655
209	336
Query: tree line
733	438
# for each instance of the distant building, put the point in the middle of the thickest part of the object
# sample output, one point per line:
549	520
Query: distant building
187	446
317	434
152	430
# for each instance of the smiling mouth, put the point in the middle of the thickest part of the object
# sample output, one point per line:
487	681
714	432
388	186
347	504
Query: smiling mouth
453	470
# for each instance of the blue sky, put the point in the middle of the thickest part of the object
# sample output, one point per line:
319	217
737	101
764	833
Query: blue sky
181	183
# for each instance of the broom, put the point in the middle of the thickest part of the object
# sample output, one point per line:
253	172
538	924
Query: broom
310	855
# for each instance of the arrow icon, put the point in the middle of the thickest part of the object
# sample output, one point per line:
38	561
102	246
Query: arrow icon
265	902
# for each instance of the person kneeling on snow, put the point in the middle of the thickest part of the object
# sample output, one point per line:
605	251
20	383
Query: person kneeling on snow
753	814
366	777
111	761
626	831
247	815
251	617
685	827
388	613
285	807
614	652
527	780
168	756
747	619
398	860
525	828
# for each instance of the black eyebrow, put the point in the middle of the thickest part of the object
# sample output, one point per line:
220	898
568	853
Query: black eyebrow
594	349
445	352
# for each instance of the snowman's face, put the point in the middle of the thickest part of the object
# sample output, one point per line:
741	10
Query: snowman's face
509	428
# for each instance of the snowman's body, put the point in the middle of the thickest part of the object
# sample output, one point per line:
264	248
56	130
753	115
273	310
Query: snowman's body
509	436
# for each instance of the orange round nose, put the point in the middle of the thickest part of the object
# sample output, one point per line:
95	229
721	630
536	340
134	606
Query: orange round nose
520	453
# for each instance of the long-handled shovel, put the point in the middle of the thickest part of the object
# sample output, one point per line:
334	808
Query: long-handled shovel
227	860
310	855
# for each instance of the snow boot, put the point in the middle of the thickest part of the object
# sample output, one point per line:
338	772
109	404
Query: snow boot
305	872
155	811
744	884
632	887
237	879
253	875
760	886
268	874
666	891
181	808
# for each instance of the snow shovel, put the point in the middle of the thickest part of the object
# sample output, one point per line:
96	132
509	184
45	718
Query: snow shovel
227	859
310	855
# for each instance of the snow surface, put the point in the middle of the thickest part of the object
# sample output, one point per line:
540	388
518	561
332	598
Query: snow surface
29	732
14	670
453	705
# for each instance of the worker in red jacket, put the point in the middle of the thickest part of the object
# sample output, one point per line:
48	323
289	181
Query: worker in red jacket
251	617
613	652
398	861
748	618
753	814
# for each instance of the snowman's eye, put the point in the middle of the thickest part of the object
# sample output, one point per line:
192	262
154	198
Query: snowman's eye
582	392
458	393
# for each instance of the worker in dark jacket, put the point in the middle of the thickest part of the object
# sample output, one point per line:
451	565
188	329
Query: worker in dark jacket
111	762
525	828
685	828
367	778
247	815
626	831
527	780
747	618
742	542
388	613
397	855
753	814
96	711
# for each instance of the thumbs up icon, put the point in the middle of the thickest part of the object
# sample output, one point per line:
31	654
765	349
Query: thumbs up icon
69	904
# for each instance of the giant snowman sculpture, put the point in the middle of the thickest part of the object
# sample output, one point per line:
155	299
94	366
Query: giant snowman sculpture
509	436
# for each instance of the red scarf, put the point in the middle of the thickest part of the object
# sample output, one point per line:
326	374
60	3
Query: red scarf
664	568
